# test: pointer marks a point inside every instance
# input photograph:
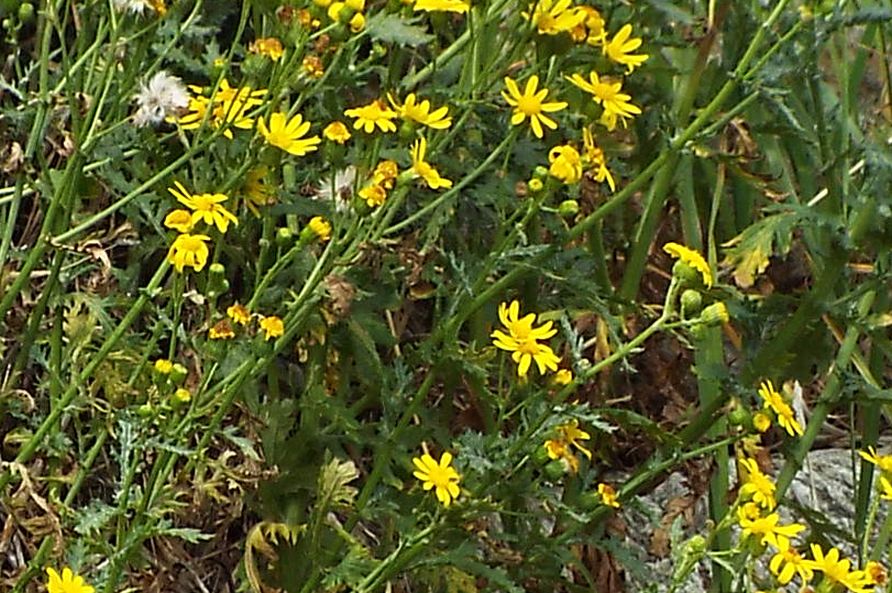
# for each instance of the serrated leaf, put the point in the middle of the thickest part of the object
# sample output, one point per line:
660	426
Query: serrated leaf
390	28
750	251
333	486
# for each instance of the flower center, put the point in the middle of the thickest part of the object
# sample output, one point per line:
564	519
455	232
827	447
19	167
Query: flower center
529	105
438	476
203	202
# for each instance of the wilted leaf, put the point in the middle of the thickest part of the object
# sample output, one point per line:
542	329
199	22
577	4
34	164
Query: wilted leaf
750	251
333	489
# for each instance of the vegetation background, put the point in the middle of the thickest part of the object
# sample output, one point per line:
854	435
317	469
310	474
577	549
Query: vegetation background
242	412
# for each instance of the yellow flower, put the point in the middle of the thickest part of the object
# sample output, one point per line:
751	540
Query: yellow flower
163	366
594	158
884	462
592	32
421	112
568	436
522	340
357	22
423	169
552	17
459	6
180	220
877	573
313	66
558	449
256	191
273	326
182	396
886	487
756	486
529	104
782	410
441	476
221	331
336	132
68	582
610	96
385	174
787	562
761	421
189	250
320	227
195	112
767	527
158	6
374	114
269	47
238	313
566	164
374	195
288	134
620	47
838	571
692	259
205	207
563	377
608	495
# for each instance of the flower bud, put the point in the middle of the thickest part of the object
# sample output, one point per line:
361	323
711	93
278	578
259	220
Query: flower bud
178	373
284	236
180	398
555	470
568	208
715	314
687	275
738	415
691	303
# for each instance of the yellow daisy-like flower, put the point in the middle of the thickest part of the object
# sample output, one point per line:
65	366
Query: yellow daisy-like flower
256	191
608	95
163	366
181	396
374	195
838	571
608	495
67	582
376	113
767	528
460	6
522	340
756	485
529	104
552	17
269	47
594	158
787	562
570	433
563	377
566	164
336	132
421	112
558	449
239	314
620	48
884	462
288	134
441	476
761	421
189	250
320	227
205	207
877	573
272	326
782	410
886	487
423	169
180	220
385	174
221	331
692	259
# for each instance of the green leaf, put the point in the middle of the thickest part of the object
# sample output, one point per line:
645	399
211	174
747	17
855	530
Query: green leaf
749	251
391	28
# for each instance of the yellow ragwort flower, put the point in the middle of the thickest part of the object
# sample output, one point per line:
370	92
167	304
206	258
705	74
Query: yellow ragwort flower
421	112
163	366
239	314
839	571
373	194
189	250
385	174
180	220
566	164
767	528
877	573
288	134
67	582
787	562
269	47
256	191
608	495
782	410
608	95
272	326
692	259
424	169
221	331
320	227
756	485
441	476
336	132
529	104
594	158
620	47
376	113
552	17
522	340
205	207
460	6
181	396
884	462
563	377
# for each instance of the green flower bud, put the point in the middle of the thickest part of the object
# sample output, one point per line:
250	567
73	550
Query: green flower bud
26	12
738	415
145	410
178	373
691	303
217	282
407	131
540	455
284	236
715	314
555	470
568	208
589	500
687	275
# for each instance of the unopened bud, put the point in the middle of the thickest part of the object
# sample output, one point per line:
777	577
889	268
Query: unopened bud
568	208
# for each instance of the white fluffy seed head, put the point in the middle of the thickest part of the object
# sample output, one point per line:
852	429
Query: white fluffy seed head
161	96
132	6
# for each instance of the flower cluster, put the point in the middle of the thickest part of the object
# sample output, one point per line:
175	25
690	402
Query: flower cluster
191	250
239	315
525	341
226	107
567	437
382	180
348	13
775	405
